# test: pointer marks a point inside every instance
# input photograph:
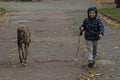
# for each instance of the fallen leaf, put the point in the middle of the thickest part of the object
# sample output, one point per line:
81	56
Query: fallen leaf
92	75
98	74
75	59
13	48
88	79
116	47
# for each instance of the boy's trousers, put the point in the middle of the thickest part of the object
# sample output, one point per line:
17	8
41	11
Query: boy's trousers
92	49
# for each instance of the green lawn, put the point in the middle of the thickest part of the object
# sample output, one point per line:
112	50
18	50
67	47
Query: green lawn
114	12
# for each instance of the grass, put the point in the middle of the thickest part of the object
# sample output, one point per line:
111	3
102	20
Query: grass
114	12
2	9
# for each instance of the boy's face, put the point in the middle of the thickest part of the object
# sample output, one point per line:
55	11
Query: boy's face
92	14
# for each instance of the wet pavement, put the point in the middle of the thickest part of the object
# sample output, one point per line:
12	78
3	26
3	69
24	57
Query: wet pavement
54	28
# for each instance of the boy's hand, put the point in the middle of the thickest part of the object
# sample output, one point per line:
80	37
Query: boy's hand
81	33
81	30
100	36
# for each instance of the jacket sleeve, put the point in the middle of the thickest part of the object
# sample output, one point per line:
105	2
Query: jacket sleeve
100	24
82	26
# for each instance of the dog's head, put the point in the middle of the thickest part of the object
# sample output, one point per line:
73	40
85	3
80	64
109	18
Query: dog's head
21	30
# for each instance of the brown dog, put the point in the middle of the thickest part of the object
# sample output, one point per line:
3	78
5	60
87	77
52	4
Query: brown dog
23	42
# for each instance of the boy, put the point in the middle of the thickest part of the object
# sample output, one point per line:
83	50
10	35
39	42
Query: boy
94	30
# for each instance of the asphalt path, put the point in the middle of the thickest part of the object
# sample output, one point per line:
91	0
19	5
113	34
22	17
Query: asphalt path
54	27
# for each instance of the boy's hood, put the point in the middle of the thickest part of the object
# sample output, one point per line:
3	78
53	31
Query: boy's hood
92	8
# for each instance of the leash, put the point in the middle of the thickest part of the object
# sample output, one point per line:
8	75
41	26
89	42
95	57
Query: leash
67	61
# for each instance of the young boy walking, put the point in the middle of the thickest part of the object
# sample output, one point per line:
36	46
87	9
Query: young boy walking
94	31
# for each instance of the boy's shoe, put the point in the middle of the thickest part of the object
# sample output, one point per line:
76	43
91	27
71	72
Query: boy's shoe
91	63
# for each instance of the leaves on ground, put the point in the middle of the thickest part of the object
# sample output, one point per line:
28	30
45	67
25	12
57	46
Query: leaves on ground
89	74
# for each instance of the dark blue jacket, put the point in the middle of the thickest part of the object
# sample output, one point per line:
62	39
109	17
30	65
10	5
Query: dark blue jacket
117	1
93	27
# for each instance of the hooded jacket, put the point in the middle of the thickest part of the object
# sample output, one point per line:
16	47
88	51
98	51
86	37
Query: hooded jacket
92	26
